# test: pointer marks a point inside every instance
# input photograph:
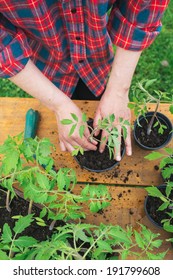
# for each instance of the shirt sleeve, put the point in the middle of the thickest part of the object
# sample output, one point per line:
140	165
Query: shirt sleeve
133	24
14	49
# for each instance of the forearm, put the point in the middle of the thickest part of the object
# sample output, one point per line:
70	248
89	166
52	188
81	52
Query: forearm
31	80
123	68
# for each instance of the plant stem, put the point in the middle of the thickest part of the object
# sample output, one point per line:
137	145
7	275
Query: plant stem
149	128
8	201
30	207
52	225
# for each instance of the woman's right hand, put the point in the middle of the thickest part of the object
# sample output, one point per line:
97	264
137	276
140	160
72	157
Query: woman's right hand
67	142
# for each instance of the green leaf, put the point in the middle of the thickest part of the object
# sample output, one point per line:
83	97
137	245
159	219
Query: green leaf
74	117
43	212
25	241
81	130
7	234
171	109
23	223
3	256
72	129
154	191
154	156
43	181
119	235
168	227
139	240
112	118
10	161
159	256
157	243
84	117
104	246
80	234
167	172
93	207
66	122
163	206
150	82
131	106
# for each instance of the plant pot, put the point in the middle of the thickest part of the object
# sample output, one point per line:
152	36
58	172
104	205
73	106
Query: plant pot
95	161
151	206
155	140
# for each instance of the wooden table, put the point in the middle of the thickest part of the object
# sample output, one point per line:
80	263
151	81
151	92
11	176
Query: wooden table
126	182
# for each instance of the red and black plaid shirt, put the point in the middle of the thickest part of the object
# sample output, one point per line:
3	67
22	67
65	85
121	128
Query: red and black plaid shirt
71	39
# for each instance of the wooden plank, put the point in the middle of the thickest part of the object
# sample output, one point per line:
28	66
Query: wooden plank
134	170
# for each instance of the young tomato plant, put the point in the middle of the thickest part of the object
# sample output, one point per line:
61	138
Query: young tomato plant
165	196
28	165
166	199
80	242
142	97
106	124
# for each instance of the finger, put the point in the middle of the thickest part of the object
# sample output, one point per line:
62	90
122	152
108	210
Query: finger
62	146
128	142
117	150
104	139
81	142
69	147
95	123
86	144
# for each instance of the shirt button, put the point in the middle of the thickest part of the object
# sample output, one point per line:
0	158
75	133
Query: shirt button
81	61
73	11
78	38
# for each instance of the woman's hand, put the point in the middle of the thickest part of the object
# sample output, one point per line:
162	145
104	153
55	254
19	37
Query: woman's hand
116	104
115	98
67	143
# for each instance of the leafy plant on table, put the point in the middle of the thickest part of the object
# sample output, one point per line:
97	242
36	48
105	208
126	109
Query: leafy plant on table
166	165
80	242
166	161
29	166
142	97
106	124
167	203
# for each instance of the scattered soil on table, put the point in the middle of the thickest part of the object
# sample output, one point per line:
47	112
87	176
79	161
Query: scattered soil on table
153	203
155	139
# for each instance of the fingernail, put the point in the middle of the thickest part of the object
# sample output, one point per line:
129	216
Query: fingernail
118	158
101	150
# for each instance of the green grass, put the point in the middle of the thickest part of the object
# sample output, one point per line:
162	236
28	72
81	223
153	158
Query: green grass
149	66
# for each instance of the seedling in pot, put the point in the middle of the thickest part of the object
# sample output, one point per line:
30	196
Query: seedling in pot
106	124
164	196
166	162
142	97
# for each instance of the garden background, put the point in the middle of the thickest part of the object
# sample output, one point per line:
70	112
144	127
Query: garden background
156	62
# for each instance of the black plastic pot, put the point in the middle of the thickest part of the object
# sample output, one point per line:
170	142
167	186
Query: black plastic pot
112	163
150	207
162	139
94	157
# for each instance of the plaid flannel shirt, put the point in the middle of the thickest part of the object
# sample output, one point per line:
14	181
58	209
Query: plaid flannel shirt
71	39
